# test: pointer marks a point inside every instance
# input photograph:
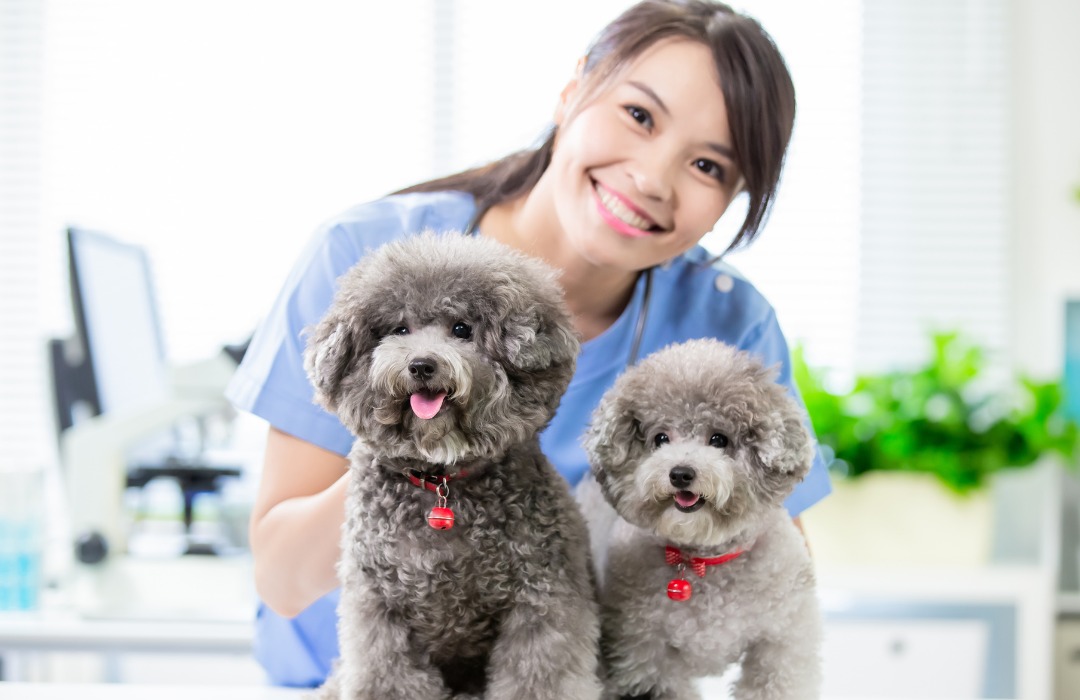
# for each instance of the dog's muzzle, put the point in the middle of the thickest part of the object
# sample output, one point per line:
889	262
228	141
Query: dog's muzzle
425	402
682	478
421	371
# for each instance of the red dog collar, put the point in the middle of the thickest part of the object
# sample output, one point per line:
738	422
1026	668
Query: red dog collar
429	482
440	517
679	588
674	556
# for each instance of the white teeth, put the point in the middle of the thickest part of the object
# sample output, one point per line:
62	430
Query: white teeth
623	213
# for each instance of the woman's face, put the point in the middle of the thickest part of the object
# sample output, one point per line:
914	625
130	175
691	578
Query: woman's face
641	172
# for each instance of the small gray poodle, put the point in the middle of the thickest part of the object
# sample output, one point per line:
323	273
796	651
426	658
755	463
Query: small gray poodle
696	449
465	566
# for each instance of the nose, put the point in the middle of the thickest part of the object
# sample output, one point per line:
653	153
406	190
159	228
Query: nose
652	175
652	186
682	477
422	368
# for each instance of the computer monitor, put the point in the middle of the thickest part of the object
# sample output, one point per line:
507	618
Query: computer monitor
115	365
118	362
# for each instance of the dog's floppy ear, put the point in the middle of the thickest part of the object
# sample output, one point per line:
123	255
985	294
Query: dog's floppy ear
534	343
613	433
332	348
782	442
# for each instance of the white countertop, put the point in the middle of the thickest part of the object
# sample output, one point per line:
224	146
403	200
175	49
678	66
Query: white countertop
86	691
63	631
188	604
710	688
65	691
180	607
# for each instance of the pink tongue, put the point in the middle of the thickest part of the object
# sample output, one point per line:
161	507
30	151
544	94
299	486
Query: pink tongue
686	498
426	404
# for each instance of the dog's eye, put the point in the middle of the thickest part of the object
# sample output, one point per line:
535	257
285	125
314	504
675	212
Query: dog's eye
661	439
718	440
400	330
462	330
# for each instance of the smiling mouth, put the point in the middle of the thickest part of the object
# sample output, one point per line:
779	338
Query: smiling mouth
620	216
688	501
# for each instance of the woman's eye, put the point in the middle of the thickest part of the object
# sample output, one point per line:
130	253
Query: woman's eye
400	330
640	115
462	330
661	439
710	168
718	440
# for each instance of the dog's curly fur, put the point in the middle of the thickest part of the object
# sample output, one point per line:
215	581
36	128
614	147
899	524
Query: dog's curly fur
503	604
698	447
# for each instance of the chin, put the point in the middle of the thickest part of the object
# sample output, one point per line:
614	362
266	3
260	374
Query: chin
699	528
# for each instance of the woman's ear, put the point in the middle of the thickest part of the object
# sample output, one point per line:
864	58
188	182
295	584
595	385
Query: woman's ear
566	98
569	92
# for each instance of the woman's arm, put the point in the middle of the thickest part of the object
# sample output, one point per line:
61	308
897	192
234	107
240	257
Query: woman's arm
296	523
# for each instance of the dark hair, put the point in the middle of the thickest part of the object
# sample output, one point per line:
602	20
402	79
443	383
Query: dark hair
754	79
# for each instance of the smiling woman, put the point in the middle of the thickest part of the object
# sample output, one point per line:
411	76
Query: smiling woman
641	154
676	107
638	132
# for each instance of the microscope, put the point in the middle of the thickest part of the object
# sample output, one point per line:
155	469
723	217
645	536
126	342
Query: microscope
114	389
96	454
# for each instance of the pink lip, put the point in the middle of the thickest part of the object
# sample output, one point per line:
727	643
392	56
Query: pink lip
615	222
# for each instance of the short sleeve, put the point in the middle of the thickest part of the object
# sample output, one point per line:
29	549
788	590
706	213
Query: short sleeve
767	342
271	382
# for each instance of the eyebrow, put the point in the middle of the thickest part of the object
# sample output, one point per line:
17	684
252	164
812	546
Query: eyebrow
718	147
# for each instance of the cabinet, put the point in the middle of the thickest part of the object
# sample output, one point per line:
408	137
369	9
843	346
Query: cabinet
1067	659
1005	625
939	633
901	658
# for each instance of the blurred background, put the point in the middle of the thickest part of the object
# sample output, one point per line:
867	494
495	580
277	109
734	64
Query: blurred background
932	187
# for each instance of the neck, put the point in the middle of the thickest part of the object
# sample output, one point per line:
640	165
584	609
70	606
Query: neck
595	295
707	552
740	540
401	465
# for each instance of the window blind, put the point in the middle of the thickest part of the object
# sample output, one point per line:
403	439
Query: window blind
935	188
24	407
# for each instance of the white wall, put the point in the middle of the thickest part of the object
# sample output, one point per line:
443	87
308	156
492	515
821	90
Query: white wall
1046	220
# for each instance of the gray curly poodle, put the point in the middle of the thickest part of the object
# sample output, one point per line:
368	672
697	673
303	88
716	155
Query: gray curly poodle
465	568
696	449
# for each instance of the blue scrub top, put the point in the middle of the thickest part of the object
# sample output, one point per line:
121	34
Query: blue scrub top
690	298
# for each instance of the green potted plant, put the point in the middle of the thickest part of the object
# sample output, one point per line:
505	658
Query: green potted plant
941	432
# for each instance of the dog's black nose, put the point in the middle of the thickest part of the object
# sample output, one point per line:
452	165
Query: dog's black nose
422	368
681	477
